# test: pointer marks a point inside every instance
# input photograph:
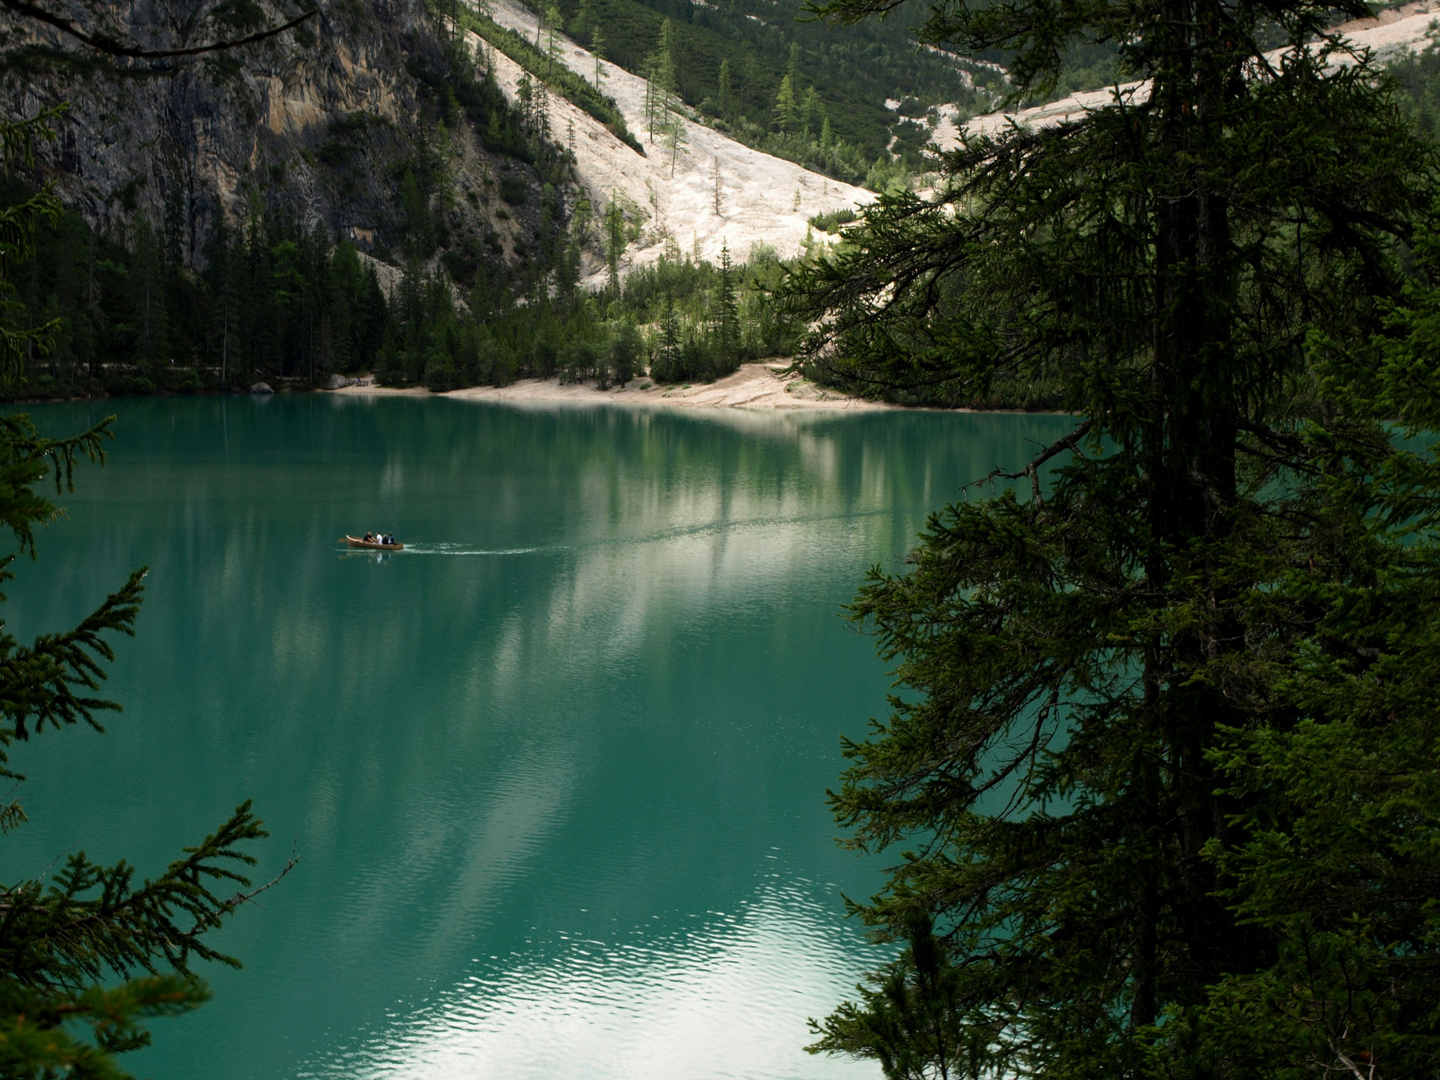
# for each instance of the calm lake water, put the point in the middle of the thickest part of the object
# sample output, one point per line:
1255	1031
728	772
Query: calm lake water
555	774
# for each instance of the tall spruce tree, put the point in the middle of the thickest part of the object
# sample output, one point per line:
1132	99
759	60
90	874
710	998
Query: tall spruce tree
1161	765
676	139
597	50
614	243
786	110
726	326
725	91
660	88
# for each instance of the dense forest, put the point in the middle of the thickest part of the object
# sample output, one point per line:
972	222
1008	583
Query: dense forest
418	302
278	303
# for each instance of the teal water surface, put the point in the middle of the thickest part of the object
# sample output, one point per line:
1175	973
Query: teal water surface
555	774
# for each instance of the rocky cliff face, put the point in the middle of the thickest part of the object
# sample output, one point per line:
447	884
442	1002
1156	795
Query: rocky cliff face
320	123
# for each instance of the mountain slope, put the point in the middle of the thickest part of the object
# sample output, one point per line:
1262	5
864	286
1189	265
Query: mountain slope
731	57
1392	34
320	126
758	196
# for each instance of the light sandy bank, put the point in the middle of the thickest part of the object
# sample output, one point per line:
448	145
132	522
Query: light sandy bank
754	386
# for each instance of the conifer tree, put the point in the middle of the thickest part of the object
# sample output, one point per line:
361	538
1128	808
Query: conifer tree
150	319
614	242
660	87
258	317
727	311
667	359
222	274
811	110
554	23
725	92
717	189
1151	766
597	49
785	109
90	957
625	350
676	140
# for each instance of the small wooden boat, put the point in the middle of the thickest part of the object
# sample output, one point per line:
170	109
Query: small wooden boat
354	541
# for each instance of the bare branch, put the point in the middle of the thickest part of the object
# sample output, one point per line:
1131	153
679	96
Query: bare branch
109	45
248	897
1032	470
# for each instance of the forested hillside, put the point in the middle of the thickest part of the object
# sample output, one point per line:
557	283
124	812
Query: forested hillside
803	89
352	120
366	124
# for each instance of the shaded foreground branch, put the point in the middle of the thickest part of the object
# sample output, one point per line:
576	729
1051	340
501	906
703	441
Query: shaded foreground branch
113	47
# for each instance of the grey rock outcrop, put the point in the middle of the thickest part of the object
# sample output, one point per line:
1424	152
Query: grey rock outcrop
261	388
318	124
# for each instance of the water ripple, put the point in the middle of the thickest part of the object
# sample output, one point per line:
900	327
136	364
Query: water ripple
725	998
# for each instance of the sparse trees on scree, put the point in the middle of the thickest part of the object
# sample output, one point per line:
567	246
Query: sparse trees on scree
717	187
1161	763
597	49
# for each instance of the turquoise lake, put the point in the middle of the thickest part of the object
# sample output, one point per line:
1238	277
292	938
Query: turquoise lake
555	774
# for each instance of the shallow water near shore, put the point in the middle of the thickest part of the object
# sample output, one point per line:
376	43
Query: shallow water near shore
555	773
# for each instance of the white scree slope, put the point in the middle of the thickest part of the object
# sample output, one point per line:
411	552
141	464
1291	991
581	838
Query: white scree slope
1394	32
757	191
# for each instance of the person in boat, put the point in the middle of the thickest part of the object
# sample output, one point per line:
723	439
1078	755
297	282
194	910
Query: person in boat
369	538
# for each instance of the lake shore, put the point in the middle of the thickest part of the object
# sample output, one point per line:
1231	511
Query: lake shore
754	386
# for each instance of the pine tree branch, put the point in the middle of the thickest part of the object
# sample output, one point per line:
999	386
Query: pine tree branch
38	684
91	922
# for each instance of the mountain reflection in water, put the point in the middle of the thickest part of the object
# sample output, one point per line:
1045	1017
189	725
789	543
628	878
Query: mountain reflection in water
558	798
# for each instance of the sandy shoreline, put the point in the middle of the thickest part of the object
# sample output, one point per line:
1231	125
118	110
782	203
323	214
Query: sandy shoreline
754	386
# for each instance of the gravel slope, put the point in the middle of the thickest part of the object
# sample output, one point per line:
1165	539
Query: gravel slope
1393	32
758	192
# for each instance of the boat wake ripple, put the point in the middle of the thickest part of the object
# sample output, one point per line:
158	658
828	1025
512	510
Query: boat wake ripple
462	549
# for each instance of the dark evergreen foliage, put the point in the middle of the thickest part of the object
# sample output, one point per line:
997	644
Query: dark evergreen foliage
287	306
272	302
1418	79
1153	774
